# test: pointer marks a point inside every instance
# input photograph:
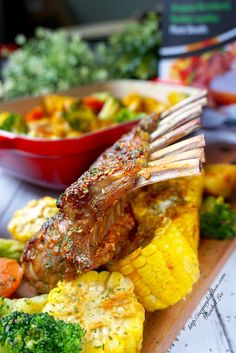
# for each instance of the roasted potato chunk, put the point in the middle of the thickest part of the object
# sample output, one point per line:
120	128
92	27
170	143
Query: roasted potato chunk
220	179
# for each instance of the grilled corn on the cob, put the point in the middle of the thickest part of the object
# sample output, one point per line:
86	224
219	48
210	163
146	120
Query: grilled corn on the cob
187	218
28	220
164	269
105	306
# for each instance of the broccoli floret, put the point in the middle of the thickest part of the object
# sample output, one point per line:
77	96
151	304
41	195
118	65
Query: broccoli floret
79	117
26	305
13	123
11	248
218	221
38	333
128	115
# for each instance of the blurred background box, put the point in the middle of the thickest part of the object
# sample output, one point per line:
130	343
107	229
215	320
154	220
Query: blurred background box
199	49
23	16
199	43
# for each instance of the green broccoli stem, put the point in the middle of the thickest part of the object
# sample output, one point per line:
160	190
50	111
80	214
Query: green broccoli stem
11	248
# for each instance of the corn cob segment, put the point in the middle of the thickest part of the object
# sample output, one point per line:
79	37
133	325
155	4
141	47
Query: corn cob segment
165	266
162	272
187	219
29	219
105	306
188	224
177	199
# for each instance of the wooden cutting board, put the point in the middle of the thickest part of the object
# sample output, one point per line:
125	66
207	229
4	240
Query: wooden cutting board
162	327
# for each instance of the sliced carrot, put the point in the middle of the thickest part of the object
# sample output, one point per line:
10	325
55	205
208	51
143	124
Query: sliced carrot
10	276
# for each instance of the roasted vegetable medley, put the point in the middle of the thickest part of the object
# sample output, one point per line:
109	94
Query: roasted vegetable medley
103	311
64	116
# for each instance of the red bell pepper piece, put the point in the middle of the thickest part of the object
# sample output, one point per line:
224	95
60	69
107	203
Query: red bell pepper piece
36	113
93	103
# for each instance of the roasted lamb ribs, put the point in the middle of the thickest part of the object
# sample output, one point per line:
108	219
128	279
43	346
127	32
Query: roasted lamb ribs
94	219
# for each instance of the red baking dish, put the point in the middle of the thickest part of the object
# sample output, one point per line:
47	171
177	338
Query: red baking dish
57	163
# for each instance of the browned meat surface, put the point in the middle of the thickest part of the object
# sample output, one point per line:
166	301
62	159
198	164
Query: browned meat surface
92	222
95	223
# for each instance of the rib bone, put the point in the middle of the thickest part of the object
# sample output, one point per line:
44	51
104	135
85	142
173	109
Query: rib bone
175	159
183	164
192	154
184	103
185	145
187	169
178	118
175	134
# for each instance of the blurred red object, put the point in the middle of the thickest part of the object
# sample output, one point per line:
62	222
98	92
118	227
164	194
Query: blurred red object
223	88
4	48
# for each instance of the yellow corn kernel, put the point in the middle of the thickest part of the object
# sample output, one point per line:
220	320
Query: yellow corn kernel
139	261
114	280
27	221
127	269
143	271
149	250
91	278
155	260
174	262
104	305
103	277
132	257
149	278
188	223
